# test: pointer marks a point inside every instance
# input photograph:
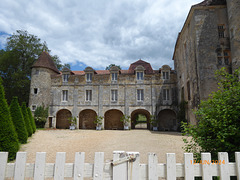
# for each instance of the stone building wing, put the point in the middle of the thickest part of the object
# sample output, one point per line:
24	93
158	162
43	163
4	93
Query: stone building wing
46	61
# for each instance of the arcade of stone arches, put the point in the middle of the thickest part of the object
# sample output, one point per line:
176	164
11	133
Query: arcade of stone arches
166	119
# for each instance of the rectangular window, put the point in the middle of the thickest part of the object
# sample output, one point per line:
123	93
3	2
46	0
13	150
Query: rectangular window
65	95
89	77
114	94
35	91
114	76
140	95
226	57
221	30
139	75
166	94
165	75
88	95
65	77
34	107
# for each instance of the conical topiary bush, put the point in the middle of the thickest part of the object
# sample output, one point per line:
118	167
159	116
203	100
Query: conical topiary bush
26	119
8	136
32	122
18	121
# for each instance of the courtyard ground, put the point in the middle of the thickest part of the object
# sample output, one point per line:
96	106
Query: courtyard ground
107	141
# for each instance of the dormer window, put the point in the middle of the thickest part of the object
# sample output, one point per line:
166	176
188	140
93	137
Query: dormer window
139	75
89	74
65	77
139	70
165	75
114	76
89	77
165	72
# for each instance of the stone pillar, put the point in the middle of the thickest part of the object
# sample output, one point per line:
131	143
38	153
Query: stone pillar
233	7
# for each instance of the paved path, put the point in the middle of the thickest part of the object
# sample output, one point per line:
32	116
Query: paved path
90	141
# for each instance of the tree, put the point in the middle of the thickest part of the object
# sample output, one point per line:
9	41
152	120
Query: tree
18	121
8	136
218	129
40	116
22	50
111	65
32	122
26	119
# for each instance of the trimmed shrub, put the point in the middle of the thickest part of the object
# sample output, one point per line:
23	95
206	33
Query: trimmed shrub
8	136
26	119
18	121
32	122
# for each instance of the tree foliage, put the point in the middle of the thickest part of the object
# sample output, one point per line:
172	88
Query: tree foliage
8	136
22	50
111	65
18	121
26	119
40	116
218	129
32	122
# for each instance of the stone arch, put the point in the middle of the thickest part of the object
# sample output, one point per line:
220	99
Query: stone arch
134	115
112	119
87	118
167	120
62	117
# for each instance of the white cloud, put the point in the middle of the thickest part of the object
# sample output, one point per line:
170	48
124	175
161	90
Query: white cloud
103	32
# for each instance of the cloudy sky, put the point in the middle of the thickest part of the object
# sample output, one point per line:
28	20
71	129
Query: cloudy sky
97	33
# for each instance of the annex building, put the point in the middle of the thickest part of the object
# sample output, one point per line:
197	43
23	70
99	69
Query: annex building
208	41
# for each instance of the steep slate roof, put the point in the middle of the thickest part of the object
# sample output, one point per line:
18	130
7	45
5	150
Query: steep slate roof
146	65
45	61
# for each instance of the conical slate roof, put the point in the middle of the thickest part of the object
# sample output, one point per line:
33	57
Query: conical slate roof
45	61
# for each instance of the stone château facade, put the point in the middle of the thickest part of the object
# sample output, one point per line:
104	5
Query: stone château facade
107	93
209	40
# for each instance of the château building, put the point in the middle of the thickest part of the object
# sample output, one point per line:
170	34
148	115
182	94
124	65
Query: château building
107	93
208	41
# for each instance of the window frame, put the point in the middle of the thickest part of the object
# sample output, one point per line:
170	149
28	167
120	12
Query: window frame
88	95
166	94
114	76
64	95
140	95
165	75
114	95
66	77
140	78
34	109
89	77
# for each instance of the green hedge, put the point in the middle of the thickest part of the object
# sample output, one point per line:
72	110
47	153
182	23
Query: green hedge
8	136
18	121
26	119
32	122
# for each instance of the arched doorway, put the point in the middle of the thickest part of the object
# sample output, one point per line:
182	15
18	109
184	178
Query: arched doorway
112	119
167	120
140	116
87	118
63	117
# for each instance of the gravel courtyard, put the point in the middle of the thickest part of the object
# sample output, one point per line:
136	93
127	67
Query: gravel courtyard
107	141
